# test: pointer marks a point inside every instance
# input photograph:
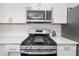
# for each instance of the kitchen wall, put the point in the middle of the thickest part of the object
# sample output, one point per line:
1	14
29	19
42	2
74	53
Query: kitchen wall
23	29
18	33
51	27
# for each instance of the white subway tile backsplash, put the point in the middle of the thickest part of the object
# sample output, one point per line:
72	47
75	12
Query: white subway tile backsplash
23	29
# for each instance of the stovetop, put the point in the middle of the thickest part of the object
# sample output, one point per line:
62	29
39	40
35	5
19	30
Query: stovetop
38	39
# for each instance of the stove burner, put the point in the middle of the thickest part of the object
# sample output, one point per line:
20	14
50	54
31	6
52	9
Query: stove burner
38	39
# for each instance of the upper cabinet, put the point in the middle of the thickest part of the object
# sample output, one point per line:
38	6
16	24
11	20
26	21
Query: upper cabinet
72	5
16	12
60	13
39	6
12	13
4	15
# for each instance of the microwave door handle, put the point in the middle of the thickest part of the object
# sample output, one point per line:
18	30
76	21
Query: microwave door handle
52	15
45	14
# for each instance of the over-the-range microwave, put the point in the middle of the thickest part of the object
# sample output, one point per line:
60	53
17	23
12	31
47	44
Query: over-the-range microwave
38	16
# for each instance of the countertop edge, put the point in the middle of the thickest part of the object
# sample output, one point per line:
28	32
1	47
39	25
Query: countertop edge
62	40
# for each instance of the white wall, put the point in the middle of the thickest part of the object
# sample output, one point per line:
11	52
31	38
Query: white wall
18	30
51	27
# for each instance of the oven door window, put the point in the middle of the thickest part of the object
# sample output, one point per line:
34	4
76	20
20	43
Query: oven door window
35	15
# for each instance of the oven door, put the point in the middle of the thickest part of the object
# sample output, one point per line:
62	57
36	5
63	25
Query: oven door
37	50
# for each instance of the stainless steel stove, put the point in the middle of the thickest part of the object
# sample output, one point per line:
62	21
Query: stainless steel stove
38	43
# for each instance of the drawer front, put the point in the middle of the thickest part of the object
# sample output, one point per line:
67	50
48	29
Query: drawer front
13	53
13	48
66	47
66	53
66	50
3	50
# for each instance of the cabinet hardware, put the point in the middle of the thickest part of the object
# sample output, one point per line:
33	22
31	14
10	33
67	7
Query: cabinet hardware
11	20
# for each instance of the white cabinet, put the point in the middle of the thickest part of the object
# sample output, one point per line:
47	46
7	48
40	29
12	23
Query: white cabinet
72	5
59	13
12	13
3	50
13	49
39	6
66	50
17	12
47	6
10	49
4	15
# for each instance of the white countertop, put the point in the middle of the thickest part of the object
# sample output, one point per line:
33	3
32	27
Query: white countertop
62	40
11	40
19	39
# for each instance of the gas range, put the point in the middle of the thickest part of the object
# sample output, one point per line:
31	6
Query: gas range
38	44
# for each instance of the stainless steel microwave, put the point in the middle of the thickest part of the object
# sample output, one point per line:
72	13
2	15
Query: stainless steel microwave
39	15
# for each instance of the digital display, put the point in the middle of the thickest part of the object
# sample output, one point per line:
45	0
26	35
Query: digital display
39	30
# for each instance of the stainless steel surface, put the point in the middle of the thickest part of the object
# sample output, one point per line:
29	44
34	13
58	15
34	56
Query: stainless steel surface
40	31
37	47
39	20
54	52
38	43
39	16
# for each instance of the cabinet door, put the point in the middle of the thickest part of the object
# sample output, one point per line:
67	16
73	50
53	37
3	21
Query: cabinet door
46	6
18	12
3	50
4	13
12	13
60	13
66	50
13	49
72	5
39	6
